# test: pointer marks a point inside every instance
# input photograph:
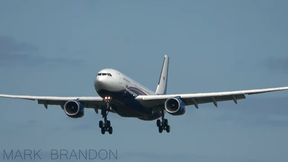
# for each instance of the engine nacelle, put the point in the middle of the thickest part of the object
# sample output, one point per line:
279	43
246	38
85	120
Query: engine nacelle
73	109
175	106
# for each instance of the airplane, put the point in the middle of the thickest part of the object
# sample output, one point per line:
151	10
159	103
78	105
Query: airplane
122	95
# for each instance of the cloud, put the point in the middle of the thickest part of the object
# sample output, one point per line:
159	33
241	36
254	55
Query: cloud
259	112
13	53
32	61
9	45
278	63
253	120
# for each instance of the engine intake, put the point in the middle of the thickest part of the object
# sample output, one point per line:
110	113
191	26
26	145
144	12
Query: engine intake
175	106
74	109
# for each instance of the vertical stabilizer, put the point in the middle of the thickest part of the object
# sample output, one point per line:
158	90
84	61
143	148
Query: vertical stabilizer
162	85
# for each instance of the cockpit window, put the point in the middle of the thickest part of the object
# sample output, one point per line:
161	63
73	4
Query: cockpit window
104	74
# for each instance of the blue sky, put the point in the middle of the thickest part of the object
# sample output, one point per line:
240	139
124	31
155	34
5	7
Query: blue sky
57	48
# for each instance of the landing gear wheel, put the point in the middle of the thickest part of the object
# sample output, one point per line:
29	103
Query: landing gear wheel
158	123
103	130
101	125
168	128
160	129
108	124
110	130
165	122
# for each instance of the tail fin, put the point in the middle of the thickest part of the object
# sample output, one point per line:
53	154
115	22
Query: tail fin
162	85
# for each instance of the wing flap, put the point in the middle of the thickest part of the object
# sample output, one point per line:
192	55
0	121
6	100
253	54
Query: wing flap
201	98
87	102
51	102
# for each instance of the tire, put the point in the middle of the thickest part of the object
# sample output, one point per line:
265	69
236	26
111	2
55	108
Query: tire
168	128
165	122
101	125
110	130
160	129
158	123
103	130
108	124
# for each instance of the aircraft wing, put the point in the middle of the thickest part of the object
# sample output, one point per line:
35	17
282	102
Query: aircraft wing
87	102
201	98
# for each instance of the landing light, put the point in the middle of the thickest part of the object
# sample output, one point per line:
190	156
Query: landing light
107	98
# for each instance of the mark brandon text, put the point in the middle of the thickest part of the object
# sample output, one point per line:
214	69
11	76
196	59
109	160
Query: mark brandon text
59	154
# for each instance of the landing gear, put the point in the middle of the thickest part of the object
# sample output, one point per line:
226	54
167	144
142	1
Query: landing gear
163	124
106	124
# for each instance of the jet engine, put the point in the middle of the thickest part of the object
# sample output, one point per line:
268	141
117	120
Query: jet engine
175	106
74	109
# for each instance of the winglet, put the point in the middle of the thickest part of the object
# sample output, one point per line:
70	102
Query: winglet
162	85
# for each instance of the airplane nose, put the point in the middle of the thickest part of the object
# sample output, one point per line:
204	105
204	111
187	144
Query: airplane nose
99	83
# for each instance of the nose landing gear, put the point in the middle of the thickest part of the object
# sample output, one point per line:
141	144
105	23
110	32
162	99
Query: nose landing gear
106	125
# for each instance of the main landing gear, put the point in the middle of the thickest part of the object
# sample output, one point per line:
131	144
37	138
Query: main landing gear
106	124
163	124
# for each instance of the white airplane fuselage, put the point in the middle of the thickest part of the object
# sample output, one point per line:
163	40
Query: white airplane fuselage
123	90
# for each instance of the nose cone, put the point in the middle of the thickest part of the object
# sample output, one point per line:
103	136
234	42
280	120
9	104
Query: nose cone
100	83
107	81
